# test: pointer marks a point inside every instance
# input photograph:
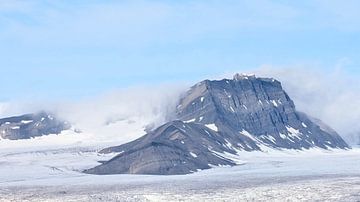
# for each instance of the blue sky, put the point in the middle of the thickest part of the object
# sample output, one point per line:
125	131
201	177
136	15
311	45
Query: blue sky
72	49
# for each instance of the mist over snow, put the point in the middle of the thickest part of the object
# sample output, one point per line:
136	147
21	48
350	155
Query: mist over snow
124	114
117	116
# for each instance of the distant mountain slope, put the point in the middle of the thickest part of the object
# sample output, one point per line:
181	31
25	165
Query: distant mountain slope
31	125
216	120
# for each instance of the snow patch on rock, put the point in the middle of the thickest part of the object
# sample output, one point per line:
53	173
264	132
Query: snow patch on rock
212	127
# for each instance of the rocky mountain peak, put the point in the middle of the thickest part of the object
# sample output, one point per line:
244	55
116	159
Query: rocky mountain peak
219	118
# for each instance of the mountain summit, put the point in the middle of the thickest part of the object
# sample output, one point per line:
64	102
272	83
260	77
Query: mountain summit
256	106
216	120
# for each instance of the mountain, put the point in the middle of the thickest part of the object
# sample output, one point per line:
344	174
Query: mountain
31	125
214	121
256	106
174	148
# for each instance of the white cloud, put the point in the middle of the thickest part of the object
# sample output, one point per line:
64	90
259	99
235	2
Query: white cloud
117	116
122	114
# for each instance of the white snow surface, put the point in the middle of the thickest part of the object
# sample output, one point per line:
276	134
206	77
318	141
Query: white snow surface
283	136
190	121
232	109
193	154
274	103
48	168
212	127
26	121
62	166
247	134
293	132
46	173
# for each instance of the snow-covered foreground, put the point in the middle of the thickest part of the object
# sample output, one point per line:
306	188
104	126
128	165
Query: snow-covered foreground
52	175
330	188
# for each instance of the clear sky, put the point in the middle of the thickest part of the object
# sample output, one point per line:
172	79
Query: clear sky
57	48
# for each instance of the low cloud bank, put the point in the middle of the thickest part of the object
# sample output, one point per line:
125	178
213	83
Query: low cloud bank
119	115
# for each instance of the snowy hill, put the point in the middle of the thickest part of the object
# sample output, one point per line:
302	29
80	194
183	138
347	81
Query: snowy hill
31	125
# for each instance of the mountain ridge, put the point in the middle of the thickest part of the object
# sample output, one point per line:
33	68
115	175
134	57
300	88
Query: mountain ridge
220	117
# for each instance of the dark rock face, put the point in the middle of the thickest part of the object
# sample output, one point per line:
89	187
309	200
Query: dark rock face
257	106
216	120
174	148
31	125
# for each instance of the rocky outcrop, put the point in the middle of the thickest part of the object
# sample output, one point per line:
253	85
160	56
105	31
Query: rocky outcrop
31	125
174	148
259	107
216	120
